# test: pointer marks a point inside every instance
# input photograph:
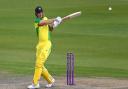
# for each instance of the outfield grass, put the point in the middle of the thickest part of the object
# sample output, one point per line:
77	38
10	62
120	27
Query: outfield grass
98	37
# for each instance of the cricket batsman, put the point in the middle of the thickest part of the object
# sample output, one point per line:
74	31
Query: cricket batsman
43	27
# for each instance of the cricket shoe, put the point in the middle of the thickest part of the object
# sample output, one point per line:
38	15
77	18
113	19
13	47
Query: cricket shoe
51	84
32	86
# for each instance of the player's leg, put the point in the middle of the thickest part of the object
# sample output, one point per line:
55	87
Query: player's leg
41	56
47	76
38	66
38	69
45	53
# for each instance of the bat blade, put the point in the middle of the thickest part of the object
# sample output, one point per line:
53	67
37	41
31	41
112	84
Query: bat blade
73	15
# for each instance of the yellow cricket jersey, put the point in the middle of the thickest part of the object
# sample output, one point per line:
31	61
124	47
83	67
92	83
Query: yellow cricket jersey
43	32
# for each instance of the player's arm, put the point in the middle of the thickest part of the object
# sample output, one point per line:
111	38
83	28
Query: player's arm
51	22
51	27
46	22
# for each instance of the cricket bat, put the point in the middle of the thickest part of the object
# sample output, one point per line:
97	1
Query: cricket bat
70	16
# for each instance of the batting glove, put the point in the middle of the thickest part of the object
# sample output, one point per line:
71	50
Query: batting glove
59	19
55	24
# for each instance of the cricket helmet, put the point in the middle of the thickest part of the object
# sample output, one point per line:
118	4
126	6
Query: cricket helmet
38	9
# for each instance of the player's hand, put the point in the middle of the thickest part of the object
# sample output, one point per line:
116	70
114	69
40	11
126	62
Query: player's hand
58	19
55	23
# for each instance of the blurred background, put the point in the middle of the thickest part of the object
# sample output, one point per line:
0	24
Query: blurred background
98	38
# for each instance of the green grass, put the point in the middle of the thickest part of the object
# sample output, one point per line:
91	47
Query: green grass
98	37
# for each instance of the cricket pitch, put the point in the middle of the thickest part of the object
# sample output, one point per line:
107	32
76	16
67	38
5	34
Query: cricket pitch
18	82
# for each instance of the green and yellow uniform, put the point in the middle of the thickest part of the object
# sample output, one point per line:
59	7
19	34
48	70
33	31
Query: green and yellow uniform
43	50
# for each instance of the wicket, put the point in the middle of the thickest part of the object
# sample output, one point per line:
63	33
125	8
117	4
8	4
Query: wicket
70	69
